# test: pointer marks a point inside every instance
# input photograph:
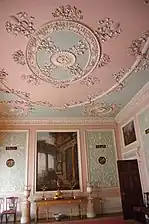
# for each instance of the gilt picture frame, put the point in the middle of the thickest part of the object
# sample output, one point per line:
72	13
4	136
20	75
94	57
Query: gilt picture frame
52	149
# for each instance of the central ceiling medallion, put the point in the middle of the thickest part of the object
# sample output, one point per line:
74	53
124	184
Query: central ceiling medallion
63	51
63	59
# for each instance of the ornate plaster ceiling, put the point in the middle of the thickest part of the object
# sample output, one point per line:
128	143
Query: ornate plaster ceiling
71	58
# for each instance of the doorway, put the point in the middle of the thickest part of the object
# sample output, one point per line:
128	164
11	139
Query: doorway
130	187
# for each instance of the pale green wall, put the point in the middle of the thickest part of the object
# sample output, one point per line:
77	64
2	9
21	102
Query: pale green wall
105	175
12	179
144	124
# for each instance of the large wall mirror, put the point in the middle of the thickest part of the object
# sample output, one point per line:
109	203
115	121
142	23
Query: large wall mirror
57	160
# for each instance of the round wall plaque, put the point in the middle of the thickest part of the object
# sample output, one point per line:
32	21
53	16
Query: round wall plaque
102	160
10	162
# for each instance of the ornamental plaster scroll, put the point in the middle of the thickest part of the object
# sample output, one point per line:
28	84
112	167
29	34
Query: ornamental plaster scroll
98	109
3	76
20	24
60	121
19	57
117	77
89	81
144	63
137	45
14	108
68	12
31	79
23	95
105	59
107	29
136	101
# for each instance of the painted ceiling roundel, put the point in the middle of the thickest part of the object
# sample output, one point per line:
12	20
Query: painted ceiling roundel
60	56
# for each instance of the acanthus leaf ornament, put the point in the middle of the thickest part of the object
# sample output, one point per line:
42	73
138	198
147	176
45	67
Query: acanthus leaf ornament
13	108
21	23
79	49
68	12
107	29
118	76
31	79
137	45
19	57
89	80
120	86
144	63
3	75
97	109
105	59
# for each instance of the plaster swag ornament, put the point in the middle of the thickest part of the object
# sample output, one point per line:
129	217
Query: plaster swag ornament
89	81
144	63
68	12
15	108
105	59
120	86
21	23
3	75
31	79
119	75
95	109
107	29
19	57
137	45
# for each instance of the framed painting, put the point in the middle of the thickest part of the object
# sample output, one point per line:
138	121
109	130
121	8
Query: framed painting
129	133
57	160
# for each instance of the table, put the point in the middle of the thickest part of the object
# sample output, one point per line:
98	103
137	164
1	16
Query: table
52	202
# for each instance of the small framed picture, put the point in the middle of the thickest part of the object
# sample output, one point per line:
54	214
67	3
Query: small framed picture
129	133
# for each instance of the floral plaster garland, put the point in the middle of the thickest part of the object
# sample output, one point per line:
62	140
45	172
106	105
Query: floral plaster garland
19	57
144	63
97	109
137	45
31	79
21	23
68	12
107	29
15	108
89	81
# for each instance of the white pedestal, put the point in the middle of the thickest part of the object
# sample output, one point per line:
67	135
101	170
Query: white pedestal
25	208
90	208
25	218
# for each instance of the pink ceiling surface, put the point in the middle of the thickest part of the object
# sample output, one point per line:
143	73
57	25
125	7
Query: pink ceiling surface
130	19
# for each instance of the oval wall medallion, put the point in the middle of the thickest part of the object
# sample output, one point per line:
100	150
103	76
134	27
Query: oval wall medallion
63	51
10	163
102	160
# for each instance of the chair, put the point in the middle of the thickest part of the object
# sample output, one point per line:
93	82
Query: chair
1	205
11	208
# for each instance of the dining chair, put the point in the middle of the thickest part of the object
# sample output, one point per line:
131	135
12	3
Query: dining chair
11	208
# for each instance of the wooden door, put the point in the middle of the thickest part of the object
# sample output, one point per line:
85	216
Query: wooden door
130	187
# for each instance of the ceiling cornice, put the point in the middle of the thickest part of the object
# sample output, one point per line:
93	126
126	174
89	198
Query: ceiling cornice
133	105
61	121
